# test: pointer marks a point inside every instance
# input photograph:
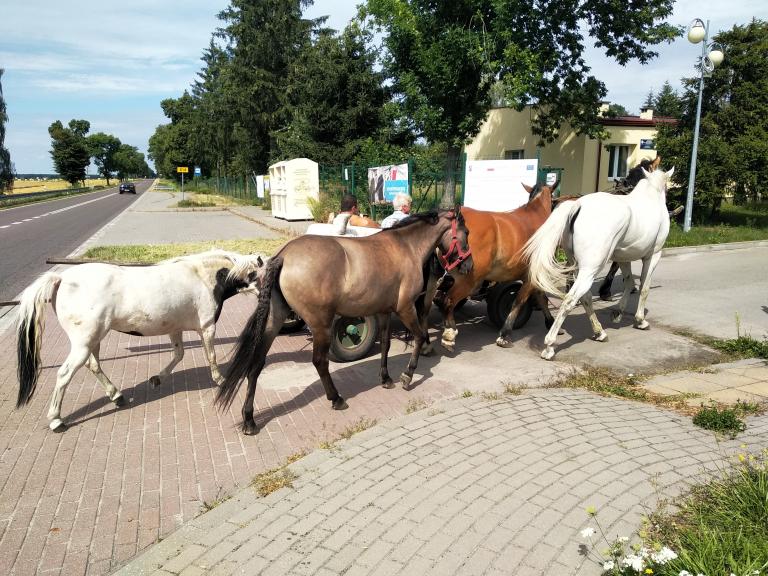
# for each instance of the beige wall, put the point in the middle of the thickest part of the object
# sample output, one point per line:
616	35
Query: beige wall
508	129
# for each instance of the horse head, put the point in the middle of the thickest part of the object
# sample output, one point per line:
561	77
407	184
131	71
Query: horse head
453	247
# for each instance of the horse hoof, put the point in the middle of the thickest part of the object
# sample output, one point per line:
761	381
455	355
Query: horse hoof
449	346
58	426
616	316
339	404
427	350
250	428
548	353
605	296
502	343
642	325
154	381
388	384
405	380
119	401
601	337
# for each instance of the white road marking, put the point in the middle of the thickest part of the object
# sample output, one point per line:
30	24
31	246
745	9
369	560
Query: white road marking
59	210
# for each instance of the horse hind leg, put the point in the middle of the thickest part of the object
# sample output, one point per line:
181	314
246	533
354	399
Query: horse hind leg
385	337
321	343
78	356
580	287
605	287
599	334
177	342
411	319
111	390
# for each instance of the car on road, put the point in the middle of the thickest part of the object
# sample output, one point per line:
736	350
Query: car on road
128	187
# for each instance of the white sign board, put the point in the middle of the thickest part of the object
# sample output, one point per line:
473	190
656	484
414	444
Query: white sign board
496	185
260	186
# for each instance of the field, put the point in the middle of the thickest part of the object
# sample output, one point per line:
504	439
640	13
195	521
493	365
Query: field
24	186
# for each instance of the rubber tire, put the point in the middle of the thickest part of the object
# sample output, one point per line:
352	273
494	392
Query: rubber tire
501	300
293	323
345	348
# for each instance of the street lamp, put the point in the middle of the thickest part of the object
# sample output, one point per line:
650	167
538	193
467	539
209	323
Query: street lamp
711	56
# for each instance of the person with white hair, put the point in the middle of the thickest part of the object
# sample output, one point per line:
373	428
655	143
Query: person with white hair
402	206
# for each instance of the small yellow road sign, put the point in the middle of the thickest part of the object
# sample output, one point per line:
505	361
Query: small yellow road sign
182	169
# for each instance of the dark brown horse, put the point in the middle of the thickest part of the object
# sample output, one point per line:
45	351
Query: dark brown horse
322	276
495	241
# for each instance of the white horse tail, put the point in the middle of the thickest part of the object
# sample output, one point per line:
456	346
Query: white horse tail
546	273
30	326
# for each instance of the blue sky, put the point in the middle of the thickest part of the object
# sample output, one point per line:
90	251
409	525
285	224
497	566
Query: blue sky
111	63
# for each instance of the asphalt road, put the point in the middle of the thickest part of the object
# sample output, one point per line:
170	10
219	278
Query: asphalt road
52	229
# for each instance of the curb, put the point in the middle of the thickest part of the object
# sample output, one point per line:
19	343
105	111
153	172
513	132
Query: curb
713	247
279	229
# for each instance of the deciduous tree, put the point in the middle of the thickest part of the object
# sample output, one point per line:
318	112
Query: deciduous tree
443	58
6	168
103	148
69	149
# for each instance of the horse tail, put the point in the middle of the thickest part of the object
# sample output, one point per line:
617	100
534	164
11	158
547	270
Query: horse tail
251	339
30	326
544	271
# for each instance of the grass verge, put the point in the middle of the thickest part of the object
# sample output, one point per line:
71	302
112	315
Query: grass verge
720	527
156	252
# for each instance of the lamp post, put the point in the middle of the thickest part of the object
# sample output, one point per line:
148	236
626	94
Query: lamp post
711	56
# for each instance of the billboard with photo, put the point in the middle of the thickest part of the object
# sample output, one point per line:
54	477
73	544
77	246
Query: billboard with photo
386	182
496	185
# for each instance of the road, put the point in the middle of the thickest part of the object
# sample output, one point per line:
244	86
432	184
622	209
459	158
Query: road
32	233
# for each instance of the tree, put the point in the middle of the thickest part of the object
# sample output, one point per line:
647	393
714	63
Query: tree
444	57
264	37
70	151
667	102
733	137
129	162
616	110
336	99
650	100
103	148
6	168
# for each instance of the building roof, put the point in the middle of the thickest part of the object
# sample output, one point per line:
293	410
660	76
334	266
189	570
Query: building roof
636	121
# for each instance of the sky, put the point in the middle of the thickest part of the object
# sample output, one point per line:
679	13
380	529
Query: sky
111	63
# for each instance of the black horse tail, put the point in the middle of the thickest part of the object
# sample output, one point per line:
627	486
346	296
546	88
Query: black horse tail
251	339
30	326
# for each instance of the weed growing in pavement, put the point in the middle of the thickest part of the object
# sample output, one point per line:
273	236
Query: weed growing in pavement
414	405
490	396
210	505
362	424
726	420
466	394
435	411
271	480
513	389
610	383
734	348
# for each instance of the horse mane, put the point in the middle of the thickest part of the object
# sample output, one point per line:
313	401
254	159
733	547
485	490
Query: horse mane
428	217
241	263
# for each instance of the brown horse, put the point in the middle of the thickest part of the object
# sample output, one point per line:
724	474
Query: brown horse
322	276
495	242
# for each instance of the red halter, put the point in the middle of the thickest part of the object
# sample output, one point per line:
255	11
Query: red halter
455	246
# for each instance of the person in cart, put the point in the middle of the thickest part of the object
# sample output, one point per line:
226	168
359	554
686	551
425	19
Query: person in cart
402	206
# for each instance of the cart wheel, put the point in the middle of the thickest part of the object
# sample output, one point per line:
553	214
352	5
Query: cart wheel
293	323
352	338
491	304
504	298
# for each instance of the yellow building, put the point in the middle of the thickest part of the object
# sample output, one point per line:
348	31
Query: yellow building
588	164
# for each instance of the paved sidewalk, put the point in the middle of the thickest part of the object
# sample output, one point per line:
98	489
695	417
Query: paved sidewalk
489	484
467	488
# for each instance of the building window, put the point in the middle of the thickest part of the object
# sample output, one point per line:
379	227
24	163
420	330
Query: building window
514	154
617	161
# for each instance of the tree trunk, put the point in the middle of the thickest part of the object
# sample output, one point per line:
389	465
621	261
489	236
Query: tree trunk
451	167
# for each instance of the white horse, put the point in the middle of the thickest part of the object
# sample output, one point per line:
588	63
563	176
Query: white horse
184	293
592	230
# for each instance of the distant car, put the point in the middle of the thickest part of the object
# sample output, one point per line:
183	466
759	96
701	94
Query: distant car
128	187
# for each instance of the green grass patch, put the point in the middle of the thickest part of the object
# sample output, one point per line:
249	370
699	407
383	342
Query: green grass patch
151	253
743	347
196	204
11	202
720	527
726	420
721	234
